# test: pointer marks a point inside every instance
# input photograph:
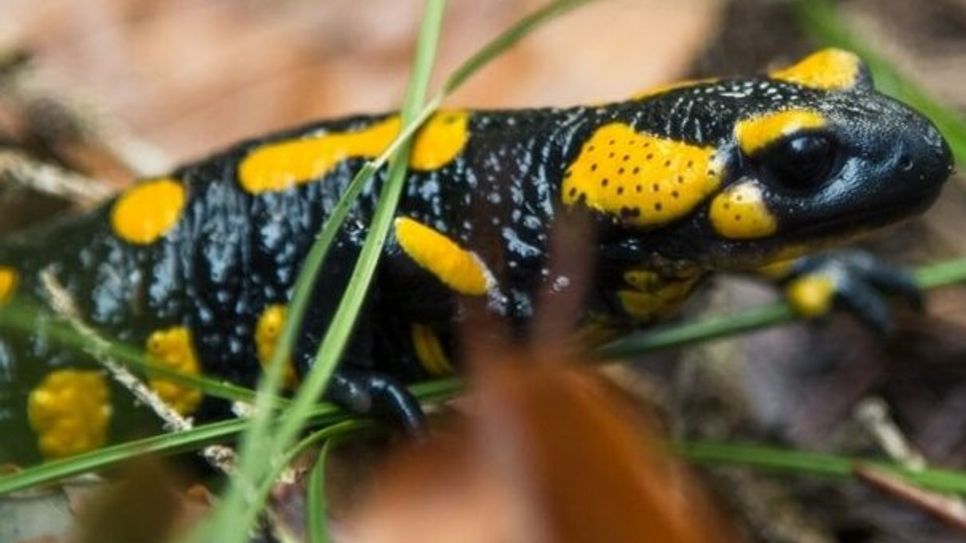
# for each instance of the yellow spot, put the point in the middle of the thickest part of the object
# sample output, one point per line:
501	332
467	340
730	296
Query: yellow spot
8	283
458	268
148	211
811	295
647	180
828	69
758	132
267	331
740	212
282	165
429	351
597	330
776	269
668	87
70	411
172	349
439	141
653	296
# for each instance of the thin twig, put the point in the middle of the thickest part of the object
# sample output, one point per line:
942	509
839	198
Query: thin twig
50	179
873	413
948	510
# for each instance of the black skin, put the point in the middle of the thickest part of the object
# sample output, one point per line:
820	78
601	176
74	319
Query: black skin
233	253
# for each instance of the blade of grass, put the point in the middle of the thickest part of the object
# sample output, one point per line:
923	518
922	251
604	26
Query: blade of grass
196	438
316	518
811	463
329	434
255	448
822	20
316	257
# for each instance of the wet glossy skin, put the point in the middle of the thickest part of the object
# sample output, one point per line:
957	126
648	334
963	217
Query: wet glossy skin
681	183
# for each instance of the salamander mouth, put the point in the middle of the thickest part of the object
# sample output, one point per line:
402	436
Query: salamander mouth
876	215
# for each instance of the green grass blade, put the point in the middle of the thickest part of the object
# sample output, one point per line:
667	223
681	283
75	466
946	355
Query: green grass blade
239	500
163	444
173	443
316	257
811	463
317	518
507	39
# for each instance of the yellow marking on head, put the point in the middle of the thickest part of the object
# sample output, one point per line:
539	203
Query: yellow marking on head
173	349
647	180
429	350
458	268
667	87
8	283
828	69
282	165
148	210
267	331
440	140
811	295
70	411
758	132
653	296
740	212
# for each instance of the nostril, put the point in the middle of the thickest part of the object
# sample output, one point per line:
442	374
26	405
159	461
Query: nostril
905	162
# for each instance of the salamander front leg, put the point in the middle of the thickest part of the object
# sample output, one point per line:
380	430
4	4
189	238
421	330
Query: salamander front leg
372	393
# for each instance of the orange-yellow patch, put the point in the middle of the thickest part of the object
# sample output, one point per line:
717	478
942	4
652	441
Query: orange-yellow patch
647	180
147	211
758	132
70	411
458	268
828	69
282	165
740	212
173	349
811	295
429	351
8	283
652	296
267	331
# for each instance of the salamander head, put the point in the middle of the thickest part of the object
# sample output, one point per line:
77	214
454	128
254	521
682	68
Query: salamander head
806	156
845	161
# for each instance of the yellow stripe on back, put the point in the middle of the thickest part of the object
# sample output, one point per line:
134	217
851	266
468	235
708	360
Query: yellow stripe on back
645	179
758	132
282	165
458	268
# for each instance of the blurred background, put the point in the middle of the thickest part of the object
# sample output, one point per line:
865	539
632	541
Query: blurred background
114	89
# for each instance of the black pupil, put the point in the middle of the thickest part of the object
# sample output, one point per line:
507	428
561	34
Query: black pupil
802	162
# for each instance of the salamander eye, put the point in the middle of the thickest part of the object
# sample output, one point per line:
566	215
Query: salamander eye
801	162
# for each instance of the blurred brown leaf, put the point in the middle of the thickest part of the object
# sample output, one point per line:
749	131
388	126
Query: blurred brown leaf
553	454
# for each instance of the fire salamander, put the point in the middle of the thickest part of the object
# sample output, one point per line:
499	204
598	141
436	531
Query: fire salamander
721	174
